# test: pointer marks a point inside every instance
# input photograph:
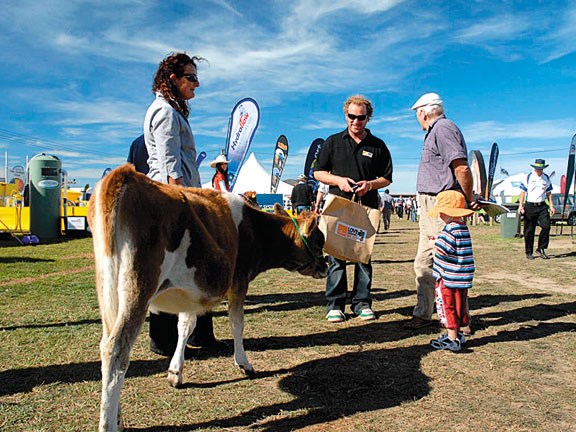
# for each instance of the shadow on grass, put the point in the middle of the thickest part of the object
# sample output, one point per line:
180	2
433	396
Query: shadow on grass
381	261
539	312
51	325
331	388
14	260
489	300
325	389
289	302
563	255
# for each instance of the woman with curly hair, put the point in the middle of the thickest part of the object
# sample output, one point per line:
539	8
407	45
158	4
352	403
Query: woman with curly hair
172	159
168	135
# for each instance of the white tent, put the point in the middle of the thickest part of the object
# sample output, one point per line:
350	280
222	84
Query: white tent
508	188
253	177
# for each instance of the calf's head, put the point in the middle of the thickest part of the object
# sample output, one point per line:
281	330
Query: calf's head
307	257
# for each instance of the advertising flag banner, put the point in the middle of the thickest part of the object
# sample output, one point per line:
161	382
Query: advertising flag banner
569	171
478	170
492	169
244	121
200	158
280	156
310	162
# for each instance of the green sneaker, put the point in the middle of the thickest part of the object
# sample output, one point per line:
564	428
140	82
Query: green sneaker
335	315
366	314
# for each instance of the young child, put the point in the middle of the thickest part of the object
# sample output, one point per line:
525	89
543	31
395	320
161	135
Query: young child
453	269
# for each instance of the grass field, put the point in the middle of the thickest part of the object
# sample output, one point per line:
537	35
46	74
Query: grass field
517	373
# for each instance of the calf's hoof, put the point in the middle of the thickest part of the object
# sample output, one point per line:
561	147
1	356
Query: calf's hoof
175	378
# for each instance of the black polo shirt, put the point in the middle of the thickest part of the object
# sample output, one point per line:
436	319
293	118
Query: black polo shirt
368	160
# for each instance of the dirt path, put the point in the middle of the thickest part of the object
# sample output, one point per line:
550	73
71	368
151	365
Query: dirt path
527	281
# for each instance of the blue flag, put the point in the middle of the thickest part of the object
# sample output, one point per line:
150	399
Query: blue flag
200	158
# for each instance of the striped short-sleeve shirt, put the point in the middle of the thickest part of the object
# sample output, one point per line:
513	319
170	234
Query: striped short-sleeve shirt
453	258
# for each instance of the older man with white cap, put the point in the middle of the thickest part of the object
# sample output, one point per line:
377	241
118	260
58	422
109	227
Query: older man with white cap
443	166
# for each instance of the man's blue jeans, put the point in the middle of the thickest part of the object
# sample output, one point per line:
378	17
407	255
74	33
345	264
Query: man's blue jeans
337	285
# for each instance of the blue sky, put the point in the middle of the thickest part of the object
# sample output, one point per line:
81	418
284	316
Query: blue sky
77	75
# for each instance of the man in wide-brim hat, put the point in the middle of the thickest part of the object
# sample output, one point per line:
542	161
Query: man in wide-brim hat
533	194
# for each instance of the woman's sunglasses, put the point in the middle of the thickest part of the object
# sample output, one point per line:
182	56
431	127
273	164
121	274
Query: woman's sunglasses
193	78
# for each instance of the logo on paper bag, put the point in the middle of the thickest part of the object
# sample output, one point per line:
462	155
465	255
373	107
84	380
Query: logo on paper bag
351	232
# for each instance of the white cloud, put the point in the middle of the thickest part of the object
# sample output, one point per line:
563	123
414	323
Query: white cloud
102	111
307	11
227	6
560	40
495	29
539	130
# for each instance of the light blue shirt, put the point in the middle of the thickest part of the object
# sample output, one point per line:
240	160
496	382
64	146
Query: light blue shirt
170	144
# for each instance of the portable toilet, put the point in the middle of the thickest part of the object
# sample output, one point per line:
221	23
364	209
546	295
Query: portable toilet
45	195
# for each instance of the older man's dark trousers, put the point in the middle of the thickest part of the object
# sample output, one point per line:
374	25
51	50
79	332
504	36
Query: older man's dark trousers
536	214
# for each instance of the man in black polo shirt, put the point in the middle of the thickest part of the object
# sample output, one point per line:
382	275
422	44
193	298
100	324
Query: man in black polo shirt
351	161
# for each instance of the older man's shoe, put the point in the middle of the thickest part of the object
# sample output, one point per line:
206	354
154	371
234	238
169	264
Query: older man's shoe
529	256
416	323
542	253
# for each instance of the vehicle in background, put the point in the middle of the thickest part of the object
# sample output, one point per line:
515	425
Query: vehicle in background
569	212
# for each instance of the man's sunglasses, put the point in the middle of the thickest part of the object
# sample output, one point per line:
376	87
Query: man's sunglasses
357	117
193	78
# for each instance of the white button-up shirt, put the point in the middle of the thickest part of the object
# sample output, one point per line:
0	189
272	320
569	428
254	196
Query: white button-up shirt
536	187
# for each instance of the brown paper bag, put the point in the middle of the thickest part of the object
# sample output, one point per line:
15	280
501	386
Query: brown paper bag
349	228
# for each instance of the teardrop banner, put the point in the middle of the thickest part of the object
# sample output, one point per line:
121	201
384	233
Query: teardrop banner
478	169
200	158
569	171
243	123
313	152
494	152
278	162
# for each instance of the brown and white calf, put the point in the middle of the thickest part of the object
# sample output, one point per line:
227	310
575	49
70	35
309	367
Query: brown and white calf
181	250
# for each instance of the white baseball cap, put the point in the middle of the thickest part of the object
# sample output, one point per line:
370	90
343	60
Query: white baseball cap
427	99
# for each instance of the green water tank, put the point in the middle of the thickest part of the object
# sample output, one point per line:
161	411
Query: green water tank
45	195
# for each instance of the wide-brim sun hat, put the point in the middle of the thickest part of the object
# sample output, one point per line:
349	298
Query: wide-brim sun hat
451	203
427	99
539	164
220	159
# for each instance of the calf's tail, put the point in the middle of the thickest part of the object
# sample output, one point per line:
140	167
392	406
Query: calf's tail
102	218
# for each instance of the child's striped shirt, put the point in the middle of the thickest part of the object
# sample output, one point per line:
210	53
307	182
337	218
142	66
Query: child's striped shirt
453	260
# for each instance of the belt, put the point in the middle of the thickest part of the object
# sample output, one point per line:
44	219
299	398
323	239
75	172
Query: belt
428	193
537	203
